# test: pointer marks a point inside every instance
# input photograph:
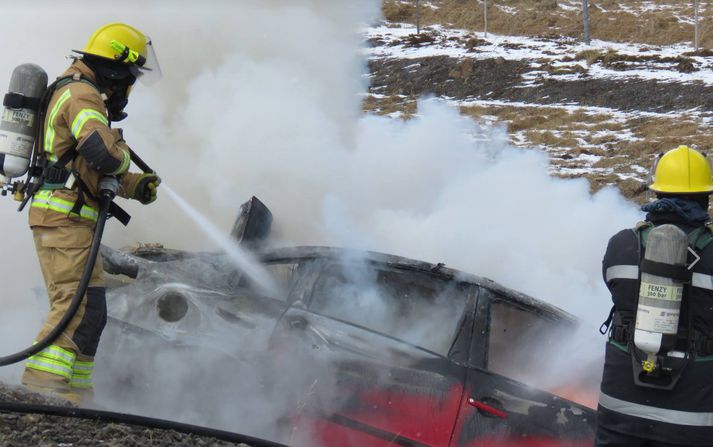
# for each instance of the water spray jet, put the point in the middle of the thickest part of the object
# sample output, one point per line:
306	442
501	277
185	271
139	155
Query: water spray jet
239	257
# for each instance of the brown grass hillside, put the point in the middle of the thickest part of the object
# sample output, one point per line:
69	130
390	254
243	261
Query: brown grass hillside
655	22
625	143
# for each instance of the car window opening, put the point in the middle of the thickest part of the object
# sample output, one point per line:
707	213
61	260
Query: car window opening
539	351
417	309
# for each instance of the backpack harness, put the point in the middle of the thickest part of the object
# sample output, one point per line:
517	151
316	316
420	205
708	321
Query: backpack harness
620	324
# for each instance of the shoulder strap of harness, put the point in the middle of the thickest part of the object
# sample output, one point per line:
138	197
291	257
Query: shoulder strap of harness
699	238
77	77
642	230
703	236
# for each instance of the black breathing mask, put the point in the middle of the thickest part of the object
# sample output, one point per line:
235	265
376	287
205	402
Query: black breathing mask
118	100
115	80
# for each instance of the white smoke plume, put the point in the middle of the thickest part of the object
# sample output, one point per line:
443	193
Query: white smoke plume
262	97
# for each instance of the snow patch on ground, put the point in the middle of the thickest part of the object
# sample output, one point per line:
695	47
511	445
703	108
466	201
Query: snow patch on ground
556	58
450	42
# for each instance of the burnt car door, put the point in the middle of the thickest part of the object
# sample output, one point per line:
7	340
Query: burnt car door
382	353
518	388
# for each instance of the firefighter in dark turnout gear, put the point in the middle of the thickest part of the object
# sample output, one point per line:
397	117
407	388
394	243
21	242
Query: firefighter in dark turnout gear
631	414
79	148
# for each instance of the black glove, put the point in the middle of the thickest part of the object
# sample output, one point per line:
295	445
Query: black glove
146	186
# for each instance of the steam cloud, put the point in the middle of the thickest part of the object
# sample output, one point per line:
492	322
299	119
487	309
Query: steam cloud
262	97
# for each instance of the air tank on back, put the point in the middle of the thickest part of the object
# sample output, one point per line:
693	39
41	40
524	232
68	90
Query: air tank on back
19	119
660	297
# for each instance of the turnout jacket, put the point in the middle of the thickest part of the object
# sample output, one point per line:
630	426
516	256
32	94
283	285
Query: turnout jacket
77	120
684	415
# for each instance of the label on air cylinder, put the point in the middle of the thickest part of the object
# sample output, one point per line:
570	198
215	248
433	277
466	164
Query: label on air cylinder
655	319
19	116
659	307
660	292
17	144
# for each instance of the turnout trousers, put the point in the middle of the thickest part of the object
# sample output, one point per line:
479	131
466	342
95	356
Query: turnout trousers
66	366
608	438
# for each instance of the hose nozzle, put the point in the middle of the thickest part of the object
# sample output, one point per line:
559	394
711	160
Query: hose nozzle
108	187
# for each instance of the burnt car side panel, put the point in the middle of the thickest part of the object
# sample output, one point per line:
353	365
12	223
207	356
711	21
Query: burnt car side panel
498	411
201	301
386	391
366	386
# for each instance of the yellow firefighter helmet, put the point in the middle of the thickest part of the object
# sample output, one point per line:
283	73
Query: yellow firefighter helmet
123	43
682	171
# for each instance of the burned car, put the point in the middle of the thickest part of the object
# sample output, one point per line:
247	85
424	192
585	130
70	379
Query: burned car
378	349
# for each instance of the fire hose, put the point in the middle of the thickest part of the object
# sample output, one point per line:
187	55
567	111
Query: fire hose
107	416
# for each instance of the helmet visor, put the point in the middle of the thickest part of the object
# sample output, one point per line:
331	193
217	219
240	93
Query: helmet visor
150	72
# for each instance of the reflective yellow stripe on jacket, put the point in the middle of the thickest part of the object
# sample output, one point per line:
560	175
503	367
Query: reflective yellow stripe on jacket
49	134
44	200
81	119
124	164
54	360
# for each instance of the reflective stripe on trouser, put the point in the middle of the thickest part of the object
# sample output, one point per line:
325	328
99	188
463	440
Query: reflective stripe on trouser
82	374
678	417
62	252
53	360
45	200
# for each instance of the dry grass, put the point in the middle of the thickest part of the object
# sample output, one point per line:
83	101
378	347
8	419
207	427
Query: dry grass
387	105
550	139
612	59
591	56
544	18
621	144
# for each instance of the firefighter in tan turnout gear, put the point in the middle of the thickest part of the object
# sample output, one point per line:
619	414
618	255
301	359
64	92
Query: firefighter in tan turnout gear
80	148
